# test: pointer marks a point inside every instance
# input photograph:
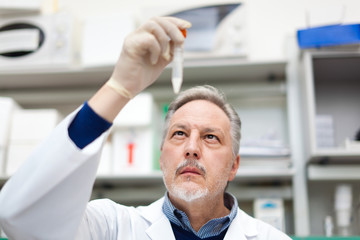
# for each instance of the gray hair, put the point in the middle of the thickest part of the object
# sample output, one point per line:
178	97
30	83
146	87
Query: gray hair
212	95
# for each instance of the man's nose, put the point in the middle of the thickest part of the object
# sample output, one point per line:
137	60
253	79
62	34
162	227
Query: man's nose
192	149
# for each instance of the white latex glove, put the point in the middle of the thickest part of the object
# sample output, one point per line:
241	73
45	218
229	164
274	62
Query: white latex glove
146	52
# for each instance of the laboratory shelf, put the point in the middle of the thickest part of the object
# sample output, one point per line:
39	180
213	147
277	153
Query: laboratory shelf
333	172
197	69
129	179
244	174
257	173
336	155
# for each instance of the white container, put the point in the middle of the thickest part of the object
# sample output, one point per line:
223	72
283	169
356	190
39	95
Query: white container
29	127
106	163
343	209
133	151
7	107
325	133
136	137
271	211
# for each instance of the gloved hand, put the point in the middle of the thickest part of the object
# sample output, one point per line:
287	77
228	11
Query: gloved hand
145	54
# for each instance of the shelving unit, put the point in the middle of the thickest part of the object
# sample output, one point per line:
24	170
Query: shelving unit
330	87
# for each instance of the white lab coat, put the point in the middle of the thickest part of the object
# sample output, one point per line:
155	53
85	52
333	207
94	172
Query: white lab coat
105	219
47	198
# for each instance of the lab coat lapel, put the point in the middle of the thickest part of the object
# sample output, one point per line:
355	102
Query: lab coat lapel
241	227
161	230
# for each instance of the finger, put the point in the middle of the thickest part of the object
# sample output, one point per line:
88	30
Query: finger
181	23
154	48
140	44
172	27
154	28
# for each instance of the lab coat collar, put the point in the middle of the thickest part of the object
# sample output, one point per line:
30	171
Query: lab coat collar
153	212
160	227
242	227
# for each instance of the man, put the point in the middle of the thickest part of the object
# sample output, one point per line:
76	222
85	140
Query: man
48	196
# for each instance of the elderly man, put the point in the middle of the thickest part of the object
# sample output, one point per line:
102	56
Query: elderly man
48	196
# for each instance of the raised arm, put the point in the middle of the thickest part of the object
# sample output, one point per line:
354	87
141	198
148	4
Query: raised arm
46	198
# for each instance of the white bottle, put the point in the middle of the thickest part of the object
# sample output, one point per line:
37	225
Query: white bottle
343	208
329	226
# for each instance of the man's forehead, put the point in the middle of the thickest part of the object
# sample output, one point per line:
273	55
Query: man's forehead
203	112
200	106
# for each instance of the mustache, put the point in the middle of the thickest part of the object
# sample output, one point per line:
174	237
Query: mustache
190	163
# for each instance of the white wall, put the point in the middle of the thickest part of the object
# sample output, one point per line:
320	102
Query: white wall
269	22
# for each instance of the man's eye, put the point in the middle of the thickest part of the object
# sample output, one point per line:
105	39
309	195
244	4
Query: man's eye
179	133
212	137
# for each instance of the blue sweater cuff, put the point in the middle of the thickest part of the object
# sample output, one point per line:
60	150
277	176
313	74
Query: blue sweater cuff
87	126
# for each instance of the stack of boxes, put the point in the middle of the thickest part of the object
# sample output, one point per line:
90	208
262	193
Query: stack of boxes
325	133
21	131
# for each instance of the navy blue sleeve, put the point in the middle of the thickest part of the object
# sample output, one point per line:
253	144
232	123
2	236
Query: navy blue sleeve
87	126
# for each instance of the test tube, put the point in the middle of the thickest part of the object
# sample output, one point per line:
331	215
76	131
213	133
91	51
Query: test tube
177	69
178	66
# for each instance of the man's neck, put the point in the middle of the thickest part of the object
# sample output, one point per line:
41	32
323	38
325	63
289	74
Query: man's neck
202	210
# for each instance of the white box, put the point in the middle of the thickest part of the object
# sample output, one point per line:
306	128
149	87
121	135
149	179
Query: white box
138	112
106	163
325	133
136	137
53	34
133	151
29	127
271	211
7	107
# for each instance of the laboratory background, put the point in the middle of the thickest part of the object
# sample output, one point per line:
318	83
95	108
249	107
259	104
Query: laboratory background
290	68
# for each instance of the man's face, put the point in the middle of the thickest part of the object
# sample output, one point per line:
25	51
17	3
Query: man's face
196	156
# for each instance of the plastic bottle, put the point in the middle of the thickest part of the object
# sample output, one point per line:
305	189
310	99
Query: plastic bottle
343	209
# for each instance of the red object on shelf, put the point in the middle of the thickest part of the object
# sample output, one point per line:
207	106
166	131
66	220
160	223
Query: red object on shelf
131	153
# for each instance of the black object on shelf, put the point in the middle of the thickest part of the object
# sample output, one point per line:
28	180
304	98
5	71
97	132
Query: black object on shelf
357	137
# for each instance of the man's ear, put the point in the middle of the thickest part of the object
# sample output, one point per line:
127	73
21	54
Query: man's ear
234	167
